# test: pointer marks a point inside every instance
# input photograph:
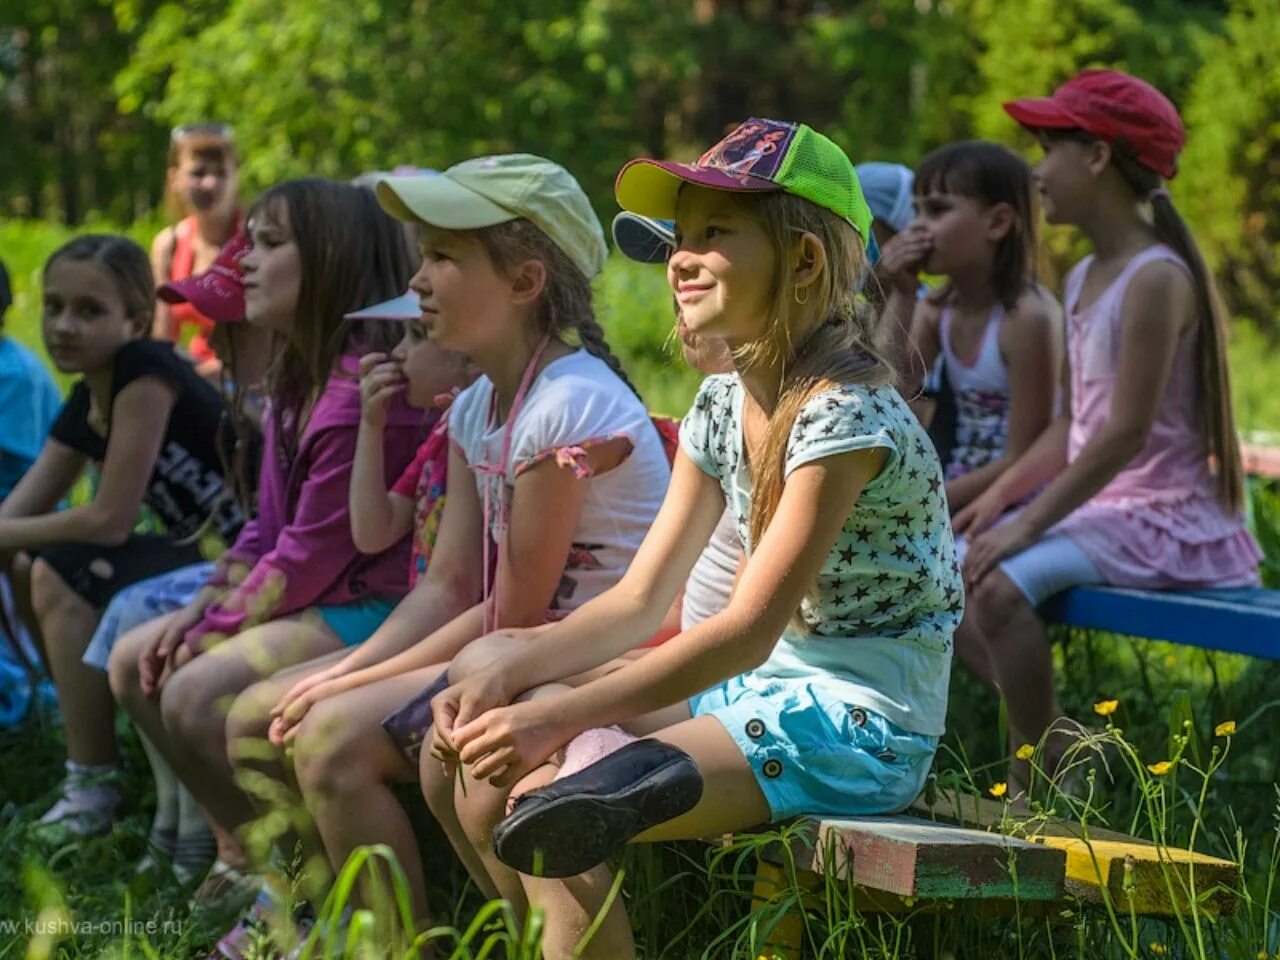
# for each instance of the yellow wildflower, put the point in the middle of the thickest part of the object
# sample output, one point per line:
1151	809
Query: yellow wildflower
1157	948
998	789
1105	708
1225	729
1161	768
1025	752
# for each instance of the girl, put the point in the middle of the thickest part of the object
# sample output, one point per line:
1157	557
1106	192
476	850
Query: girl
822	687
998	331
200	191
1145	465
179	837
156	428
568	472
293	586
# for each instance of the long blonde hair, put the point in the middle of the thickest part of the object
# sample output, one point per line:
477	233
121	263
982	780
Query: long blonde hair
820	341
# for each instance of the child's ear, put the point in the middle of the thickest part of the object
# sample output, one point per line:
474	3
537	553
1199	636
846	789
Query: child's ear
811	260
999	222
1098	157
528	281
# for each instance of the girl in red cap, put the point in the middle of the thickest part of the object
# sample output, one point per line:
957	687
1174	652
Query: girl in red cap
1144	463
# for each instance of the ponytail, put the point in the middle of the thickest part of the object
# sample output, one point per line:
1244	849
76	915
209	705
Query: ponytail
1214	376
1214	379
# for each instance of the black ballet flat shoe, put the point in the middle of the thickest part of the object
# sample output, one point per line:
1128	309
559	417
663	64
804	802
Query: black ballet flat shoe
574	824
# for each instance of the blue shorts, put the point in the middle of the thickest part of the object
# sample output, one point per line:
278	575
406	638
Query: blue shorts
143	601
355	622
814	754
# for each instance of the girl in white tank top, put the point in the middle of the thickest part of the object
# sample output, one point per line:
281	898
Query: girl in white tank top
999	334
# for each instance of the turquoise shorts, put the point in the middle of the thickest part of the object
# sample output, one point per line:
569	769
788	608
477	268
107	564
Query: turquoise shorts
813	754
355	622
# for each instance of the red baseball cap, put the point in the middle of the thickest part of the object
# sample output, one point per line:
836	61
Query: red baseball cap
1130	114
218	292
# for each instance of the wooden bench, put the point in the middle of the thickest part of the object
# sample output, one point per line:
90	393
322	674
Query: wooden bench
1245	620
954	851
1236	621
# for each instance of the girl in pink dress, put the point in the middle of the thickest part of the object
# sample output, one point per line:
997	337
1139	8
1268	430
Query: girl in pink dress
1146	480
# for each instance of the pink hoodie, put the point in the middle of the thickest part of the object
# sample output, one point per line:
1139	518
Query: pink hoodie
299	546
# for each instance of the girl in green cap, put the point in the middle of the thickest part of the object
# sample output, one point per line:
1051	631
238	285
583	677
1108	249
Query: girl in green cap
822	687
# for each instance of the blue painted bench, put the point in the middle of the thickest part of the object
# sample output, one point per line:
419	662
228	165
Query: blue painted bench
1245	620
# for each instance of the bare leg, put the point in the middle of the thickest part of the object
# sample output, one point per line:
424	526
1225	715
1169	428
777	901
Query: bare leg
195	701
345	763
731	801
122	673
20	583
262	770
67	623
974	653
1022	660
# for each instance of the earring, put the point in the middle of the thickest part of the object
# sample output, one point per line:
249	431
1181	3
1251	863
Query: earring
796	294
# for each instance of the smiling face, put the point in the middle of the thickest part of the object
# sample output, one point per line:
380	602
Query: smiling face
465	300
430	370
84	320
722	267
272	271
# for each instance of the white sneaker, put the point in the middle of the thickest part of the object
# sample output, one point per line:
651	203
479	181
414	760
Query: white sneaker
83	811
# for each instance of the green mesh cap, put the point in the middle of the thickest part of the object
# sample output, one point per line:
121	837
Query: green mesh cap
487	191
759	156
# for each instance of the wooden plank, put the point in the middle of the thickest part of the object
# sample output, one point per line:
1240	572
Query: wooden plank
1147	879
1157	878
1244	620
915	858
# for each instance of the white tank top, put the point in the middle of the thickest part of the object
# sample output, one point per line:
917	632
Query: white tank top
982	397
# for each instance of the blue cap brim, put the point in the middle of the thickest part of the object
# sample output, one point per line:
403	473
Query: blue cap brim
643	239
404	307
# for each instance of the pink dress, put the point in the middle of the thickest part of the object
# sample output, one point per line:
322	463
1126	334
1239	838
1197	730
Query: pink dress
1158	523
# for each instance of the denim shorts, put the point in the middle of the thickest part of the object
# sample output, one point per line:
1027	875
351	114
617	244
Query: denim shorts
355	622
813	753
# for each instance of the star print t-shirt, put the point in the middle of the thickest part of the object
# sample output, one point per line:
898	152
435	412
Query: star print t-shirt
889	596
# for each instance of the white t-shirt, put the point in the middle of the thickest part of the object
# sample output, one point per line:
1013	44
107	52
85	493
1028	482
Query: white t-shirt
576	402
710	582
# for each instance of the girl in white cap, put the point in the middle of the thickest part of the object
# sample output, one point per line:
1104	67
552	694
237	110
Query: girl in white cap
555	474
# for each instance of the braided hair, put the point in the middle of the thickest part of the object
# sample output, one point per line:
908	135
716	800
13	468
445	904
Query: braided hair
565	304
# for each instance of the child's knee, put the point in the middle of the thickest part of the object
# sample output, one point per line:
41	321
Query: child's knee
479	654
189	700
48	590
250	715
328	755
997	598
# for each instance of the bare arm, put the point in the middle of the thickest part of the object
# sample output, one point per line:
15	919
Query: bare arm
816	501
632	611
161	261
1031	343
1158	307
139	416
378	517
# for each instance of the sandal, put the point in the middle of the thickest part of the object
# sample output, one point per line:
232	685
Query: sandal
225	884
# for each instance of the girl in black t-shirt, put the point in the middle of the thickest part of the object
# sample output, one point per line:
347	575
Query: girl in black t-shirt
153	426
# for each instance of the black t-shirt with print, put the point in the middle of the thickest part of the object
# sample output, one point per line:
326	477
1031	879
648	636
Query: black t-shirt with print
187	485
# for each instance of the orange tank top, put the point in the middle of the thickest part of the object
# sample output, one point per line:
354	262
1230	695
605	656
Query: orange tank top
182	265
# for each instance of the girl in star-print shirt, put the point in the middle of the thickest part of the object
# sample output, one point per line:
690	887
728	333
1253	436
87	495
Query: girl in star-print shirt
821	687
